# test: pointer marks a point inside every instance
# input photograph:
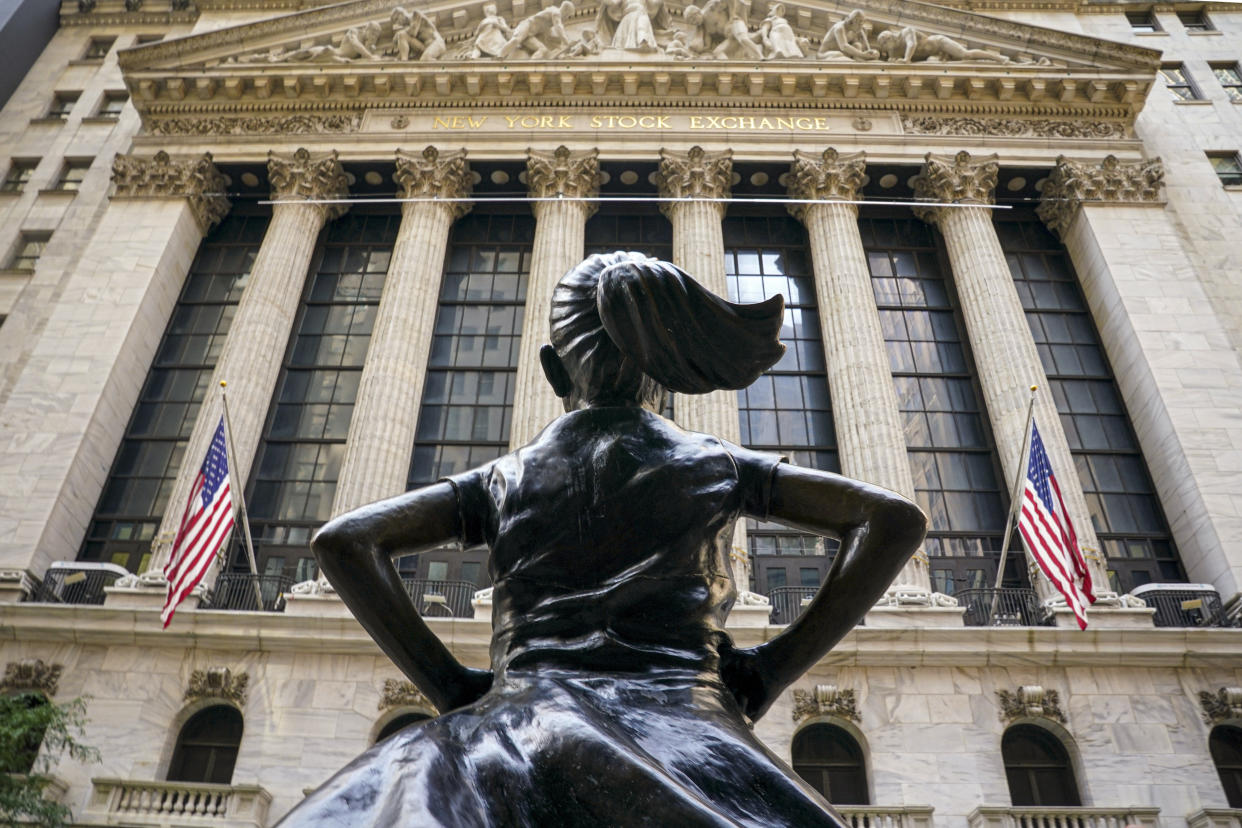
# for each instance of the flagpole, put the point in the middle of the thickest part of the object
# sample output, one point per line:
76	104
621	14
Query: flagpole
241	497
1015	499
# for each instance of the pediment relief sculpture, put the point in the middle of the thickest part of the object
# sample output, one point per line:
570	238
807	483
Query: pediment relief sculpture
619	29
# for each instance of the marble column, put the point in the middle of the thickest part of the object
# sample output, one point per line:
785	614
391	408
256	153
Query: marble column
1004	350
66	411
572	178
251	358
1179	376
870	441
381	431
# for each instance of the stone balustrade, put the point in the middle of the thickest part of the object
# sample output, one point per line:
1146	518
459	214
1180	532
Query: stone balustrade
1215	818
987	816
175	804
880	816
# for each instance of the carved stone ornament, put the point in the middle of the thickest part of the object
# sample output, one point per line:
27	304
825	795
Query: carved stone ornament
309	177
563	174
829	176
195	179
311	124
958	179
1030	701
1222	706
435	174
1074	182
694	174
133	5
399	693
30	674
86	6
1012	127
825	700
218	683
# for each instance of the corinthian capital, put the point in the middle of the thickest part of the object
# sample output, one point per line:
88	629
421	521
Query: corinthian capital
958	179
307	177
195	179
563	173
829	176
694	174
435	174
1074	182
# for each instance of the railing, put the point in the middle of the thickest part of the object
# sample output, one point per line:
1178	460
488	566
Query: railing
236	591
1052	817
66	582
1191	605
788	602
1006	607
441	599
128	802
878	816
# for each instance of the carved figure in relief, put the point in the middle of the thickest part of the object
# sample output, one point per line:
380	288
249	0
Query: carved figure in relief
848	38
908	45
541	35
588	44
631	24
358	42
413	33
678	47
721	30
491	35
777	36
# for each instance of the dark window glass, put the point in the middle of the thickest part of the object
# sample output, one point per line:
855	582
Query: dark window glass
1229	75
401	722
468	392
136	492
71	175
112	104
948	436
1038	768
1178	82
98	48
1142	21
207	747
28	250
830	761
1195	21
1227	166
148	38
62	104
294	477
18	176
787	410
1121	499
1226	746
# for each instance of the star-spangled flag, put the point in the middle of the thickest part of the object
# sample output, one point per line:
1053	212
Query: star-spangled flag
1049	534
205	526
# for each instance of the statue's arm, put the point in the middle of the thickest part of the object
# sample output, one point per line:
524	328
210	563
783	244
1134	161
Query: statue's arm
879	531
355	553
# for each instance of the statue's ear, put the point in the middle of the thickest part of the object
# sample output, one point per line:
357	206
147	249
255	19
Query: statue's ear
555	371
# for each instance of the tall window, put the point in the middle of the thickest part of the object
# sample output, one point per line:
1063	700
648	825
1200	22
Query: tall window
138	486
1229	75
1228	167
1120	497
831	762
947	434
1142	22
468	393
787	410
1195	20
1038	768
294	478
111	105
20	172
98	48
71	175
1177	81
62	104
1226	746
26	253
207	746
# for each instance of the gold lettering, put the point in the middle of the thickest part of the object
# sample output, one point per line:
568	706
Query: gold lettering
696	122
746	123
476	124
566	123
784	123
512	119
803	123
529	122
647	122
764	123
662	122
595	122
439	123
458	123
821	123
627	122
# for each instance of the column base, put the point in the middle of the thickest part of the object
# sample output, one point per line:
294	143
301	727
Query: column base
16	585
882	617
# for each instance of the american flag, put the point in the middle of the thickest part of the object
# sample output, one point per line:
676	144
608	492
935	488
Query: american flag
205	525
1049	535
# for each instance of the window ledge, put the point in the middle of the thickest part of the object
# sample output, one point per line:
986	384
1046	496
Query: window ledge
48	119
1232	188
1197	102
56	191
1150	34
8	271
99	119
1211	33
86	61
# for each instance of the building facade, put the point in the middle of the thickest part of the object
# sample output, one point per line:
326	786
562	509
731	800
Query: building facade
349	219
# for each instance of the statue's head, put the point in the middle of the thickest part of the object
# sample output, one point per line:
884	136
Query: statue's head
489	9
626	328
693	15
777	10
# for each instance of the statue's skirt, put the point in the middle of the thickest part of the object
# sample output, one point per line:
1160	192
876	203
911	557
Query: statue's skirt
558	750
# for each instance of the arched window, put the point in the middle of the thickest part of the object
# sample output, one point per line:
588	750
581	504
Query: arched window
829	759
402	721
1038	768
20	718
1226	746
207	746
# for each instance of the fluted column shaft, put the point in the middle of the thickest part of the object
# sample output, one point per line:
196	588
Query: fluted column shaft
870	440
560	242
381	431
1000	339
251	358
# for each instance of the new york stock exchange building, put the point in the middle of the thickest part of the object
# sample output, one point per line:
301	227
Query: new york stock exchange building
354	215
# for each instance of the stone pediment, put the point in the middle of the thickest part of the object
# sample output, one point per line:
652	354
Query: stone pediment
899	54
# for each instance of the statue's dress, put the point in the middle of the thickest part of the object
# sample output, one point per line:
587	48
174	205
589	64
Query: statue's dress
609	539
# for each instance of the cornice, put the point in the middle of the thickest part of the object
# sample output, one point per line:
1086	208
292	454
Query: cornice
435	174
1074	183
956	179
829	176
196	179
